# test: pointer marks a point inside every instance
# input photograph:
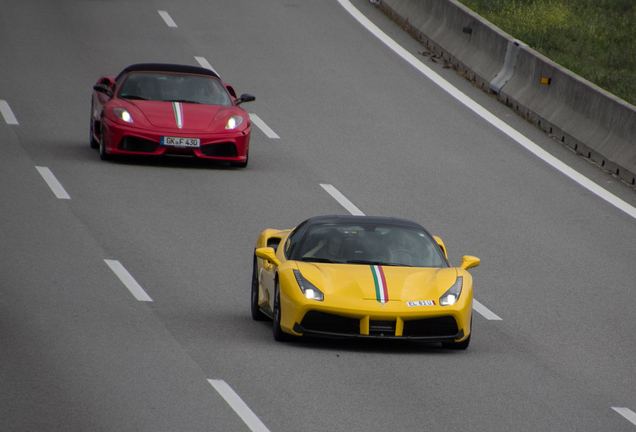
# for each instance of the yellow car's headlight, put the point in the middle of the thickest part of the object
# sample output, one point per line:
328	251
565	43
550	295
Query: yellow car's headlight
450	297
309	289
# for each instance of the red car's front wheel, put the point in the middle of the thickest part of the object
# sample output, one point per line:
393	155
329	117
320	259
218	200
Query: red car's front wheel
102	148
93	142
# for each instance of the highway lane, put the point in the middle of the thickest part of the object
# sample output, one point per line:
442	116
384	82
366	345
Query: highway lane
60	369
349	113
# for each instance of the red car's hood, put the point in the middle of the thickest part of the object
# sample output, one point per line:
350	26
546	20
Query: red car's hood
168	114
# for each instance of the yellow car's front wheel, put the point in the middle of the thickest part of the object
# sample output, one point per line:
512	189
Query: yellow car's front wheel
257	314
279	334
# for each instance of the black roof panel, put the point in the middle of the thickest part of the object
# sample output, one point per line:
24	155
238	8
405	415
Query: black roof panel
167	67
345	219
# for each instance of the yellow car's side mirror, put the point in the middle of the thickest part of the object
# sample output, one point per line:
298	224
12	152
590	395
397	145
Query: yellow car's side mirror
268	254
469	262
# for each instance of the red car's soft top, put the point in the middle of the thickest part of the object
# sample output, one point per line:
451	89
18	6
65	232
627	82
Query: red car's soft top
163	67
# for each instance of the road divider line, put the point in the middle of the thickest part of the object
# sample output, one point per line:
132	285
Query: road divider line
5	109
262	126
234	400
55	185
486	115
128	280
204	64
335	193
166	17
484	311
627	413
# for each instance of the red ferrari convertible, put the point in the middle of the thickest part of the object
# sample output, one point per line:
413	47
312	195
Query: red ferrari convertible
165	109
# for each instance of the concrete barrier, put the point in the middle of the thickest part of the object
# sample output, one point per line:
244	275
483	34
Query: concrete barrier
586	118
473	45
574	111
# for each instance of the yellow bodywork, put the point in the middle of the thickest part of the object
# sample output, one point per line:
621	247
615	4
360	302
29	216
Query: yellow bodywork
350	290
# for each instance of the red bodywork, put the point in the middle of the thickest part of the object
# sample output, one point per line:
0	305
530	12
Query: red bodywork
153	119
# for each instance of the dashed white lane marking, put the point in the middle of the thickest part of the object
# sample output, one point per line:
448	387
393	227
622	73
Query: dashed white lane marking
204	64
262	126
55	185
335	193
167	19
5	109
128	280
627	413
486	115
237	404
484	311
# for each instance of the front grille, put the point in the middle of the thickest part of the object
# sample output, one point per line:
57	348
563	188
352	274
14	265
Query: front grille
383	328
328	323
226	149
441	326
135	144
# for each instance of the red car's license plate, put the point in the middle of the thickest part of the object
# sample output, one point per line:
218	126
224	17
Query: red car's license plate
180	142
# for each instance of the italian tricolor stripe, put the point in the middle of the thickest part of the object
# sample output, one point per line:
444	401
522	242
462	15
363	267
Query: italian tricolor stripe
178	113
381	293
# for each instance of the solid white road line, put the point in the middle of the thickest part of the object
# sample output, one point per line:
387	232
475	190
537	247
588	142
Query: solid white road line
262	126
335	193
128	280
486	115
55	185
167	19
7	113
627	413
484	311
204	64
237	404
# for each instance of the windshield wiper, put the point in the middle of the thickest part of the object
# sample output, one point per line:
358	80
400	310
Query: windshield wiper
181	101
135	97
317	259
377	263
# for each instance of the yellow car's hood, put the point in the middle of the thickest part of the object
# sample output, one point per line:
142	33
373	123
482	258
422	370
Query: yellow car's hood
366	281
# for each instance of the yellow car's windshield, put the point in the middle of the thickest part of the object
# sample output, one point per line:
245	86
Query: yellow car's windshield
370	244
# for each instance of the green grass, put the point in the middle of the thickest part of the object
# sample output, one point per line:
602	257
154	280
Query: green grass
595	39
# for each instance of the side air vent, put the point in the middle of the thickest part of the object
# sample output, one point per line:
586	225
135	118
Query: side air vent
227	149
134	144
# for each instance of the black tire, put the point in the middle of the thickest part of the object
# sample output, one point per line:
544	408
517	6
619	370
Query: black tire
257	314
241	164
93	142
279	334
460	345
102	149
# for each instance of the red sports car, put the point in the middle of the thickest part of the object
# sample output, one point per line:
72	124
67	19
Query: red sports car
166	109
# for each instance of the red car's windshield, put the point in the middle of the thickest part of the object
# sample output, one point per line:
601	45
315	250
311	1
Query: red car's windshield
173	87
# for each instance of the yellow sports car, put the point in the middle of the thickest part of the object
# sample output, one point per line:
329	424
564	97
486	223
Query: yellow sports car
361	276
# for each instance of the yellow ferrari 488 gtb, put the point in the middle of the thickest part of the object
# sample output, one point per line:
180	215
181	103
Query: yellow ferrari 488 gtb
361	276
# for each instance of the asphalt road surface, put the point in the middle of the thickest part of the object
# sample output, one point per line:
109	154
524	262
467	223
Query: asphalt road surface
124	286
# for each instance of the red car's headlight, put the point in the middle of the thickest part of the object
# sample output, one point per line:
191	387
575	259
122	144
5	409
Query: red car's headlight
123	114
234	122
